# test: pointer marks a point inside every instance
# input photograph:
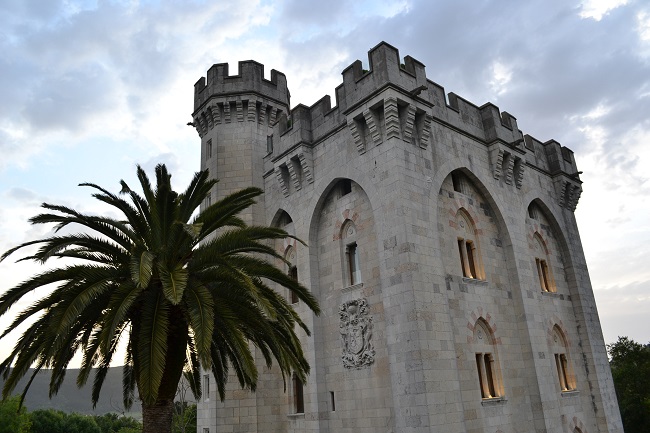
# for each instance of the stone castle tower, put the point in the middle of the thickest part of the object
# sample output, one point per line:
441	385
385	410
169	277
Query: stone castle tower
442	247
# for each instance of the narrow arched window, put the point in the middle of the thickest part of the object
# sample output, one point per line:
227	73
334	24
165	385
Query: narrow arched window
565	376
544	274
351	254
487	365
468	251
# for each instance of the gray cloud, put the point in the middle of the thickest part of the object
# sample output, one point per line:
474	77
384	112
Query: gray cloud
67	101
64	67
169	159
627	307
21	194
320	14
561	65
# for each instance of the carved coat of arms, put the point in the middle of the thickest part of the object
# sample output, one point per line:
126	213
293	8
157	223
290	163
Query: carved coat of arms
356	331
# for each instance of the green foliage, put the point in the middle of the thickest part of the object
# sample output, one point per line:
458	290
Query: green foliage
56	421
184	420
630	363
77	423
13	417
113	423
48	421
130	430
187	291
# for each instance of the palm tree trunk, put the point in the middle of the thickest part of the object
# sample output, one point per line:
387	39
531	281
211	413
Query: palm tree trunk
157	417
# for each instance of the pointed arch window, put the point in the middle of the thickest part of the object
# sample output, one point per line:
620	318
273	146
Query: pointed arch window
544	274
468	249
533	211
565	376
487	365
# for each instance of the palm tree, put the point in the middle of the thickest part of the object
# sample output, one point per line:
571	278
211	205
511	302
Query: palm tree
188	292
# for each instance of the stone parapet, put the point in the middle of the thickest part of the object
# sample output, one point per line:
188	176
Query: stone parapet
250	80
408	114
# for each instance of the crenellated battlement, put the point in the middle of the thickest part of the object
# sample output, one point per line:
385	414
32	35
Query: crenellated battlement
392	99
414	102
250	80
384	69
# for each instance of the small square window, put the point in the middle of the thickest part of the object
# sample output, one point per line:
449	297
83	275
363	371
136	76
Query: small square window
206	387
208	149
269	144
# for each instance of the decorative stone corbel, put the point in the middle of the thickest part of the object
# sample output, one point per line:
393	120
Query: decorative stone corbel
281	179
375	133
391	118
356	136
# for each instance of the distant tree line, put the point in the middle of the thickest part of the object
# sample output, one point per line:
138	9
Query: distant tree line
16	419
630	363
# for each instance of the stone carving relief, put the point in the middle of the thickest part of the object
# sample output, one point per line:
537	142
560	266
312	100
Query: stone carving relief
356	333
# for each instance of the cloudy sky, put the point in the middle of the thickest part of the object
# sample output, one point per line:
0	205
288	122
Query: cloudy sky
89	88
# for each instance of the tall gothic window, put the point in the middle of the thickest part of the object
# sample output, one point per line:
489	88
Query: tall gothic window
487	367
468	252
544	274
565	376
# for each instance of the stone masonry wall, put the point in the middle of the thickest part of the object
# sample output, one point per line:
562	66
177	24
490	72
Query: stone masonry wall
397	352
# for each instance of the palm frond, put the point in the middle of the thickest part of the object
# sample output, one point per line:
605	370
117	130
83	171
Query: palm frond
200	308
142	268
188	292
151	344
192	372
173	282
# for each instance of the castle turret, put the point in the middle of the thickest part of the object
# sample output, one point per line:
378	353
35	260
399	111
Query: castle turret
234	116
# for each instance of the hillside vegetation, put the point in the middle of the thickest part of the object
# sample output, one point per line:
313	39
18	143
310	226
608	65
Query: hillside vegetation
70	398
